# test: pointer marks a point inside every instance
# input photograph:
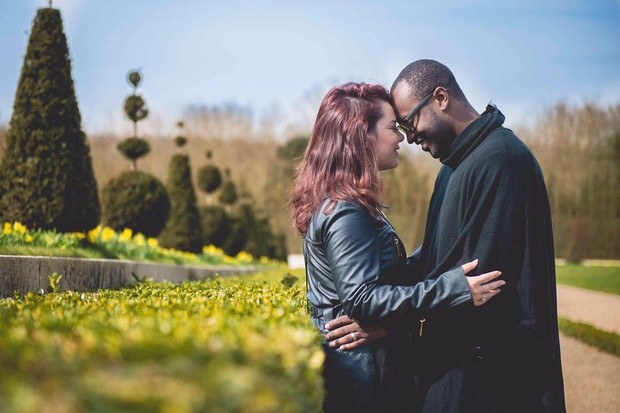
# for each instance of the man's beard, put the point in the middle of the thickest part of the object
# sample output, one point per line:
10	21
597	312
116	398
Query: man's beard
438	137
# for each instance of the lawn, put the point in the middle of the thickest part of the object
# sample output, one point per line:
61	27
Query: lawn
605	279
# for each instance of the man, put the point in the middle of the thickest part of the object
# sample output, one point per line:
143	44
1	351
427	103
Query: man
490	203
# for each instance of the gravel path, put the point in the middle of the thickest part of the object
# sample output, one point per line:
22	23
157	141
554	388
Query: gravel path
600	310
591	376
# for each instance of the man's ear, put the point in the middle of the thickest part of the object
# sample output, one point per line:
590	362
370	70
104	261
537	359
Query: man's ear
441	96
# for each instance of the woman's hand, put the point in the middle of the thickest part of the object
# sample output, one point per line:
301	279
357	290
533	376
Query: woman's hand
482	287
345	334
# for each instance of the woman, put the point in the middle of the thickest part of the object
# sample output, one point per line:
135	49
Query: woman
355	263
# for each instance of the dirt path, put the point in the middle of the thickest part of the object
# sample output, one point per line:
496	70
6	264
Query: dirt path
600	310
591	377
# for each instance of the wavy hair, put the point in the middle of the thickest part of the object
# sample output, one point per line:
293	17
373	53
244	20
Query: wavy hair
340	162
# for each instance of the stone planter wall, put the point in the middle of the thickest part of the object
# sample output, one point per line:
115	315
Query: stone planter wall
22	274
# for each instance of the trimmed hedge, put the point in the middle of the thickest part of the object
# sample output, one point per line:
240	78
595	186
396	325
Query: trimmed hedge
226	345
138	201
183	231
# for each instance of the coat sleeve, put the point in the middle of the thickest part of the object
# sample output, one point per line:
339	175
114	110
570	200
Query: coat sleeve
352	247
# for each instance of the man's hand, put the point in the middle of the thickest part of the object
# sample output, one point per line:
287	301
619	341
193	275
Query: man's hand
345	334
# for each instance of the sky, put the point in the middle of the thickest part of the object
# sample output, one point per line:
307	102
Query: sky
278	57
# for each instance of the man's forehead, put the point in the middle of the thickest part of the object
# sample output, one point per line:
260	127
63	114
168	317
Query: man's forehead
401	92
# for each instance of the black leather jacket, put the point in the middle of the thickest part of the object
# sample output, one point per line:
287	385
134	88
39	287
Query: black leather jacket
356	265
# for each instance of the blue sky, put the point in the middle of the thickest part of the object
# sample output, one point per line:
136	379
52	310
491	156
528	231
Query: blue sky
279	56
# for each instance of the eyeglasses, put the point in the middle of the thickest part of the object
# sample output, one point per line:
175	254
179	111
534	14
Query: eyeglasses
405	125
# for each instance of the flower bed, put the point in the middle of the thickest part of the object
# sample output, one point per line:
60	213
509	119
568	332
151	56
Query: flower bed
103	242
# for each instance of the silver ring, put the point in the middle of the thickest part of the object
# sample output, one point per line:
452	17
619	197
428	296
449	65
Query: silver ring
483	299
353	336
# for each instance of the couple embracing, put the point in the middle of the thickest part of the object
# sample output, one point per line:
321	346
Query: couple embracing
468	322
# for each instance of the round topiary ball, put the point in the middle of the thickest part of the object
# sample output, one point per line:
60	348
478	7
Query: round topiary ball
134	148
134	77
180	141
135	108
209	178
138	201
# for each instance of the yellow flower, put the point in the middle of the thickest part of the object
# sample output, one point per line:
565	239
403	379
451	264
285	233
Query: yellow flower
7	229
94	233
28	238
139	239
19	228
152	242
212	250
244	257
107	234
125	235
78	235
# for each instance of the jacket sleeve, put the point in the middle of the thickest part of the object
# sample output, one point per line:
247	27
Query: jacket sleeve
352	247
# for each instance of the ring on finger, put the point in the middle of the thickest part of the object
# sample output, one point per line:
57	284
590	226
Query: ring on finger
483	299
353	336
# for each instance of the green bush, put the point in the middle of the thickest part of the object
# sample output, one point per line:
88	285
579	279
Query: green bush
183	230
237	238
216	225
138	201
135	108
46	176
239	344
228	193
133	149
209	178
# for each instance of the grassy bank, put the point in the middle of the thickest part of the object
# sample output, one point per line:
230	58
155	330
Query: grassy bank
604	279
606	341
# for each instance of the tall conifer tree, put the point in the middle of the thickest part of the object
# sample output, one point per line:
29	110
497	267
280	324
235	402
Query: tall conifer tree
46	176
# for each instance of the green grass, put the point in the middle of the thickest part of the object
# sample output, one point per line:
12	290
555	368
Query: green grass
603	340
605	279
50	251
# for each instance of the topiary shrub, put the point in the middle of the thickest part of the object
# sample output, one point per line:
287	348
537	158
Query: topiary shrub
228	193
46	175
183	231
216	225
138	201
260	239
209	178
133	149
237	238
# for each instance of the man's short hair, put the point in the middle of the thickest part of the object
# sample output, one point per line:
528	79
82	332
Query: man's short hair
424	75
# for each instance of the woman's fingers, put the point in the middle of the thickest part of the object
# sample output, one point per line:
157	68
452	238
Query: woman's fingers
493	285
484	287
469	266
488	276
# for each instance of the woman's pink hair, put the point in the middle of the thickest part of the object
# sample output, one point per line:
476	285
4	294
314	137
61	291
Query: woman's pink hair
340	162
